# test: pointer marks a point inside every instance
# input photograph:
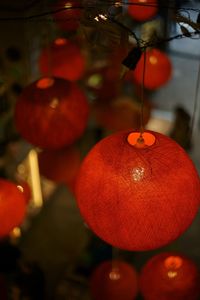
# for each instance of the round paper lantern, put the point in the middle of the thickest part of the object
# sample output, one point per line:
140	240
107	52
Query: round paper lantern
68	18
12	207
62	59
142	10
114	280
122	113
138	194
169	276
64	165
51	113
158	69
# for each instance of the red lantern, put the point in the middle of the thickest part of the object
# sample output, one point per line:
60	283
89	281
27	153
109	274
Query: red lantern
142	10
169	276
68	18
60	166
114	280
62	59
12	207
158	69
51	113
138	194
122	113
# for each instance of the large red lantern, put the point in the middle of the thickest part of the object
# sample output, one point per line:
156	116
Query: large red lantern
142	10
158	69
51	113
68	18
114	280
64	165
138	193
169	276
12	207
62	59
122	113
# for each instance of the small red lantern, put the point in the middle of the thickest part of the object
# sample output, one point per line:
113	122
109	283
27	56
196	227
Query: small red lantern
68	18
138	193
169	276
158	69
60	166
62	59
114	280
142	10
122	113
12	207
51	113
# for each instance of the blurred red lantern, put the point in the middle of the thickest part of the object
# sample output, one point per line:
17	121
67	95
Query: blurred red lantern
12	207
62	59
60	166
135	194
142	10
51	113
68	18
122	113
169	276
114	280
158	69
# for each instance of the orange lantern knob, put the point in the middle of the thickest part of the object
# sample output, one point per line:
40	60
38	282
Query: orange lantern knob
64	165
158	69
138	192
62	59
169	276
114	280
51	113
12	207
68	18
142	10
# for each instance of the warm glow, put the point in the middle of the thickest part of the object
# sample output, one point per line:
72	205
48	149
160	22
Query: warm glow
68	5
95	80
114	274
172	274
20	188
153	60
15	233
135	139
138	174
45	83
60	41
173	262
54	103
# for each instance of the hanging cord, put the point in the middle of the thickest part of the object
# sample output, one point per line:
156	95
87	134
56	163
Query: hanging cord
142	98
195	102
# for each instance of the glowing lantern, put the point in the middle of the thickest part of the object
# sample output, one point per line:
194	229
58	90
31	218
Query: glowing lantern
12	207
51	113
62	59
114	280
68	18
122	113
138	194
170	276
64	165
158	69
142	10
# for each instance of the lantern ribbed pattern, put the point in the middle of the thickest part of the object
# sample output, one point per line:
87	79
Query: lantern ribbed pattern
52	116
140	12
138	198
12	207
63	59
114	280
158	69
169	276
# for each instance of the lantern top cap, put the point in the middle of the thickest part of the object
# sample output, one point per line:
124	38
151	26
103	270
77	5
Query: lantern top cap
45	83
141	140
173	262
